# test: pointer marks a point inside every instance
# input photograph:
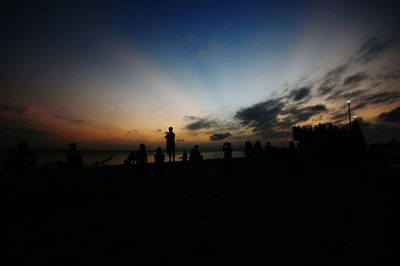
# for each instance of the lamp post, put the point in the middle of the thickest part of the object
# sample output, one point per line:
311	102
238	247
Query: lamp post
348	107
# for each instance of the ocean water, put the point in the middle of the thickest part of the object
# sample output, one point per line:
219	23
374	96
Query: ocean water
91	157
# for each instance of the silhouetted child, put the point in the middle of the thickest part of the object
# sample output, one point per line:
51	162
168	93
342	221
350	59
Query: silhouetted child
73	156
131	159
184	156
195	155
21	158
159	157
227	149
141	155
170	137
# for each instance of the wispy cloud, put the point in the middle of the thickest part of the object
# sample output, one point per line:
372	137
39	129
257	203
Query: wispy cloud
356	78
6	106
75	121
25	132
220	136
372	48
299	103
196	123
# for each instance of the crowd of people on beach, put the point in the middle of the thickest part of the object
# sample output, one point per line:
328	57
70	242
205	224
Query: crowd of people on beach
321	140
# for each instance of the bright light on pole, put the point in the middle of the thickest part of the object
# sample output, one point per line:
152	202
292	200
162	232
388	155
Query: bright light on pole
348	107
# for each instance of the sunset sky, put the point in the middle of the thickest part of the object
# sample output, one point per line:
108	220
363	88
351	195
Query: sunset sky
113	74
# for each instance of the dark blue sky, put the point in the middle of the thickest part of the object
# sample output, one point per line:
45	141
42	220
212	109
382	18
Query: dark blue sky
127	66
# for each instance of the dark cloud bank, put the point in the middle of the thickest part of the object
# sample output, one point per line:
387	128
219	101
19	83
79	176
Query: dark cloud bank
275	116
392	116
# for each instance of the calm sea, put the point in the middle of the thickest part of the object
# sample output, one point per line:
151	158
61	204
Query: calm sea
90	157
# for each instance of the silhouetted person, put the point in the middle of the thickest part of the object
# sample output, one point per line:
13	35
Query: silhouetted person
258	157
258	152
131	159
249	154
21	158
248	150
195	155
227	149
184	156
141	155
291	159
170	137
159	157
73	156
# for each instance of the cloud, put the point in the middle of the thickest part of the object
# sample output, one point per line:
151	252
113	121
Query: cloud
158	131
327	86
303	114
300	93
6	106
200	123
356	78
261	117
372	48
382	97
391	116
180	140
131	132
220	136
336	72
24	132
386	73
75	121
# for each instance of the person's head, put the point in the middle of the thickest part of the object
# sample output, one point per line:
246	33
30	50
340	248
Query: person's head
158	150
248	144
23	145
196	147
170	129
268	143
227	144
257	144
142	147
72	146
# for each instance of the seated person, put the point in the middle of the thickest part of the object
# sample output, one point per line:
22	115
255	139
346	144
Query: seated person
131	159
22	158
195	155
73	156
159	157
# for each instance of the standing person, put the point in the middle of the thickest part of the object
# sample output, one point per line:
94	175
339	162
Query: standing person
170	137
227	149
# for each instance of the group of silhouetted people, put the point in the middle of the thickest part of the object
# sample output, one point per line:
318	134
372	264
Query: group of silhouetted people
321	140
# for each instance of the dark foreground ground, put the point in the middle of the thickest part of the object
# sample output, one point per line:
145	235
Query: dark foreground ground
194	214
